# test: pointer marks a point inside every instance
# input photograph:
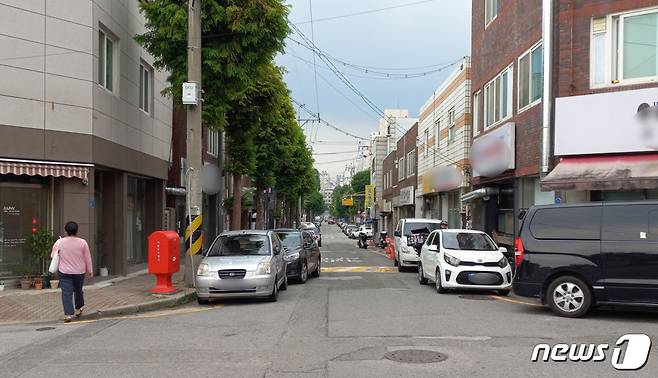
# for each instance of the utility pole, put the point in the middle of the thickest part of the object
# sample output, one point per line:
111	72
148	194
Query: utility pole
194	230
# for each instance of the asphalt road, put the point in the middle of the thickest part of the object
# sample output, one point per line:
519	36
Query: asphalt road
340	325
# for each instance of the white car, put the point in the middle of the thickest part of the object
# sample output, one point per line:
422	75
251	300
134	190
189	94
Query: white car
366	229
409	234
464	259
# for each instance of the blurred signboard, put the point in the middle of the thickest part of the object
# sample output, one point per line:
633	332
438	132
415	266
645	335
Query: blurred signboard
348	202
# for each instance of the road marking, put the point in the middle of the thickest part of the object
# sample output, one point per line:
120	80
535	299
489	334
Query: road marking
515	301
147	315
341	259
341	278
358	269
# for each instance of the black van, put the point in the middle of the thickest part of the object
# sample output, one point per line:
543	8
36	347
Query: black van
576	256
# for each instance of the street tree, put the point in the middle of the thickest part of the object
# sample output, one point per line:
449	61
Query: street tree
360	180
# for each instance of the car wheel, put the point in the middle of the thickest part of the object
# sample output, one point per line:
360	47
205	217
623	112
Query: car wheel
202	301
284	285
316	272
421	277
400	267
275	291
503	293
395	260
303	273
439	287
569	297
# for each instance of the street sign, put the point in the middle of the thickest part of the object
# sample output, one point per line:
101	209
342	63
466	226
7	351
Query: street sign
370	196
348	202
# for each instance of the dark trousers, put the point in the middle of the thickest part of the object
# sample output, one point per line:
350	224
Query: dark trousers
71	285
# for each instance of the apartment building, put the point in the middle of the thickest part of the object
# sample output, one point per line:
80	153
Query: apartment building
85	134
507	88
444	139
606	106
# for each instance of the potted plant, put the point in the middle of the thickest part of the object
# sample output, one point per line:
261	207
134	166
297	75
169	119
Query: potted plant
41	242
38	283
26	281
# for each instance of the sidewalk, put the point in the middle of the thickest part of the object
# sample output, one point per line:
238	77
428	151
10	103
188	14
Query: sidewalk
119	296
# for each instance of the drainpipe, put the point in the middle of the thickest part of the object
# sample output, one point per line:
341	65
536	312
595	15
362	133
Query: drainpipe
547	43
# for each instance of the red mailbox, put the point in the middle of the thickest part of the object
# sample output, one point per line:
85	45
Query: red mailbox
164	260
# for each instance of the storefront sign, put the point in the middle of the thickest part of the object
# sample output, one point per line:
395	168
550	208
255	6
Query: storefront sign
602	123
493	153
370	196
407	196
442	179
347	202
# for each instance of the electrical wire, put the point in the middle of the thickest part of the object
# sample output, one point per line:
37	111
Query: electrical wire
336	153
320	120
364	12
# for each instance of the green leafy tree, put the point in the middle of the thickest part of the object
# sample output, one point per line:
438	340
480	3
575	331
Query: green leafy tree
314	203
360	180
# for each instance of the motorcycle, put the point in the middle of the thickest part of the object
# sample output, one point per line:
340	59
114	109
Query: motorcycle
382	239
363	241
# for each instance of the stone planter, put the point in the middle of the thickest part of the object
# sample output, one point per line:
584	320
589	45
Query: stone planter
26	283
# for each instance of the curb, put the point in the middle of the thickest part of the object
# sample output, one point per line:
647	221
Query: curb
183	297
177	299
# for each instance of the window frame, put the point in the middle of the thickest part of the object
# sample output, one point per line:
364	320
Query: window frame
426	135
497	2
410	161
146	71
529	53
102	52
476	112
212	142
402	168
493	83
614	50
437	135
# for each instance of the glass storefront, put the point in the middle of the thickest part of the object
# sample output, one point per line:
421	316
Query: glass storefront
135	220
23	208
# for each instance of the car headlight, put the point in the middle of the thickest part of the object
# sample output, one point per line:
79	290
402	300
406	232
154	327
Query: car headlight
503	263
451	260
264	268
203	270
291	257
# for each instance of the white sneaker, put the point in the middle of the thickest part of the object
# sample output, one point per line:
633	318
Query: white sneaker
78	312
67	319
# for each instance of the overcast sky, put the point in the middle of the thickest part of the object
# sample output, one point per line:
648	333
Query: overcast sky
427	33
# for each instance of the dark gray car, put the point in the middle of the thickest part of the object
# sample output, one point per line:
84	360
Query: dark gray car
301	254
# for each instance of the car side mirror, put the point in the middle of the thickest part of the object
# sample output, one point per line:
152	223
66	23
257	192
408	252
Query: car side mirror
397	234
433	248
502	250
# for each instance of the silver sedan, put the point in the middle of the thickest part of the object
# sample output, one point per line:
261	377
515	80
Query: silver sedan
242	264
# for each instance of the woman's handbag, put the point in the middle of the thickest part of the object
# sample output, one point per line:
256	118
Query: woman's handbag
54	263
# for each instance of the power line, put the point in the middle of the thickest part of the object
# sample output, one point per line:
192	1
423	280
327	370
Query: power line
364	12
335	161
336	153
315	70
320	120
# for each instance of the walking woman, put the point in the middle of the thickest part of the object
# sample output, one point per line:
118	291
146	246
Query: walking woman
74	267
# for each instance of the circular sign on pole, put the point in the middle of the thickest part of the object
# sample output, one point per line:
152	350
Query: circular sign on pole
210	179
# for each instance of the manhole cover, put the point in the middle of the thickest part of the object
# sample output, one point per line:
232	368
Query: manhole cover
476	297
415	356
45	329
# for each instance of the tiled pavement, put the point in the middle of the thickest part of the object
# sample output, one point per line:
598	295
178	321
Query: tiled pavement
46	305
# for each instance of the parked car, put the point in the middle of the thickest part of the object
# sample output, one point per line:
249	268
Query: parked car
573	257
246	263
410	234
464	259
367	230
302	255
316	233
352	231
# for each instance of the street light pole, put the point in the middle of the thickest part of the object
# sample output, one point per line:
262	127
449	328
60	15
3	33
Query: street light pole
194	230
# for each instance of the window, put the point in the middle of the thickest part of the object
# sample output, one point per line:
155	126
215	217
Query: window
213	142
531	76
427	141
498	98
476	113
624	48
573	223
105	61
437	133
452	133
411	163
451	116
401	169
145	87
490	11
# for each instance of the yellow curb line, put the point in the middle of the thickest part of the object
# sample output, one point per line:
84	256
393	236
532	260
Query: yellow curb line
515	301
147	315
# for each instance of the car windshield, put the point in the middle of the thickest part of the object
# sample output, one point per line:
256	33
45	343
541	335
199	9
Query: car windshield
290	239
420	227
241	245
468	241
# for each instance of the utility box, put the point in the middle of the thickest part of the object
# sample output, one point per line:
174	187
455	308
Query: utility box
164	259
190	93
